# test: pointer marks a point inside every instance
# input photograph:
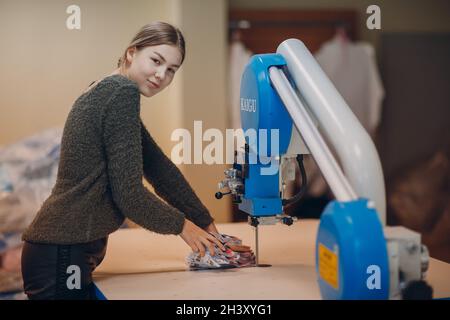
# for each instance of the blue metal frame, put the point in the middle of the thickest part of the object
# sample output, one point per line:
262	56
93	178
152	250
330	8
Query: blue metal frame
262	109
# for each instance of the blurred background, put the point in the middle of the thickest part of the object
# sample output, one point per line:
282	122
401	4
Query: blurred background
395	79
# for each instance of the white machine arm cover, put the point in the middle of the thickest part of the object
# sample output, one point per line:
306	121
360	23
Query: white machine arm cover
352	143
323	156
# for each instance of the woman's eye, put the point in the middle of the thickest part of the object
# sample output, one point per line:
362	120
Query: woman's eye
156	61
172	70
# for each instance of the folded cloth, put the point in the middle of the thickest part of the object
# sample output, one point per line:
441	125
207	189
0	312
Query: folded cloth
236	255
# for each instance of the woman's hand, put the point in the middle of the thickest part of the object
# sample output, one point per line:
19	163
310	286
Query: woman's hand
211	228
199	239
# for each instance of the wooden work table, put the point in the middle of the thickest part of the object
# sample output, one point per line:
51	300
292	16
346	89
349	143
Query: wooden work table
144	265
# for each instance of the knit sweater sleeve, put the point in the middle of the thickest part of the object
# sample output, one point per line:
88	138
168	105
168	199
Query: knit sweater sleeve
123	148
170	184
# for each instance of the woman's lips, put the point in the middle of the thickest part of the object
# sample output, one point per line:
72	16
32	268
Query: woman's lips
152	85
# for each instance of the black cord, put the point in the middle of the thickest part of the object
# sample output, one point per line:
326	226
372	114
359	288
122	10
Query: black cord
302	191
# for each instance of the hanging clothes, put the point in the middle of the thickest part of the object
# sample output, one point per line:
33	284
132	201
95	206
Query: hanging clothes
239	57
352	69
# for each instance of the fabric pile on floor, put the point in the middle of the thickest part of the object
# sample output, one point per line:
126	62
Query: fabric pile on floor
236	255
28	170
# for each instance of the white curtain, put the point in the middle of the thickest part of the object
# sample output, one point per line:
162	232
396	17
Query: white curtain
239	57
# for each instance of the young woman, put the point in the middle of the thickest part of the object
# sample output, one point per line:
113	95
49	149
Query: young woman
105	152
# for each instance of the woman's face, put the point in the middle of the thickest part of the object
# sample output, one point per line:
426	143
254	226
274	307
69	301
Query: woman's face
154	67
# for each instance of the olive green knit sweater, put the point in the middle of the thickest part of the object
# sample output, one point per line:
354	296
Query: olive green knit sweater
105	152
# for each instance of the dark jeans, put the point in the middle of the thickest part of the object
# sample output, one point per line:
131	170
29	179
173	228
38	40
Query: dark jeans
52	271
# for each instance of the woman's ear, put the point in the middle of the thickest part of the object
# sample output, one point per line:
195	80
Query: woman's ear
130	54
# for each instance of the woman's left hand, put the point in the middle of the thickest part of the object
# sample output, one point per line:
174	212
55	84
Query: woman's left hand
211	228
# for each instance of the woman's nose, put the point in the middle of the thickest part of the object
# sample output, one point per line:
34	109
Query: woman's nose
159	75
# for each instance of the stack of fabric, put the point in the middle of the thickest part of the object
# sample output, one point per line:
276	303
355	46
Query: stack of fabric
28	170
236	255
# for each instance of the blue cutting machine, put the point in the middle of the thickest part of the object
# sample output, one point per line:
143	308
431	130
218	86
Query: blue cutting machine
289	108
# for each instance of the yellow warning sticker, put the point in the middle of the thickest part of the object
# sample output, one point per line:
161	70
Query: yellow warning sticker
328	266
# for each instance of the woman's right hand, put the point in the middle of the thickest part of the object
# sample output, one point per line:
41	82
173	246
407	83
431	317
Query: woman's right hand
198	239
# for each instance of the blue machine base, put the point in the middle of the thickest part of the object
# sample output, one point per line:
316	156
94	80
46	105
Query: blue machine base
351	252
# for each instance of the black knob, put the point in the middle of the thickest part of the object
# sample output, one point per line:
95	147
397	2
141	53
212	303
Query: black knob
218	195
287	221
254	221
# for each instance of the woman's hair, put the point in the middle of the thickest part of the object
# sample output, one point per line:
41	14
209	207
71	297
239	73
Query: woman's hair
153	34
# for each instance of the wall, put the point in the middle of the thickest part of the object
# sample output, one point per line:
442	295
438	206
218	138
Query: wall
203	92
45	66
